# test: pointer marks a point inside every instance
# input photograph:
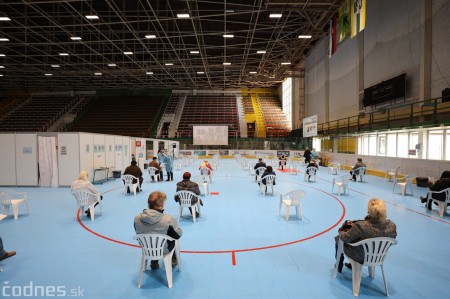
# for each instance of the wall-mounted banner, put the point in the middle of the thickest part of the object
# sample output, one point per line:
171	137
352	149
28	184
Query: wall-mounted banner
200	153
298	154
223	152
310	126
185	153
264	153
283	153
138	143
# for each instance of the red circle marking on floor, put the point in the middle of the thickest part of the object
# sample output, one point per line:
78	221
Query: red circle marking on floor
235	250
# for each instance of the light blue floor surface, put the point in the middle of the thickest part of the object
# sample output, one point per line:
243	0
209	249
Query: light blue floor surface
273	258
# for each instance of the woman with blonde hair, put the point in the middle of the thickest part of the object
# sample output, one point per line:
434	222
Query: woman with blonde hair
83	183
374	225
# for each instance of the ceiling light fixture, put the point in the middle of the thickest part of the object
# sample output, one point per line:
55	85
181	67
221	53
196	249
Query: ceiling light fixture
48	74
55	65
112	64
63	54
228	35
150	36
275	15
75	38
5	19
4	39
168	63
149	73
261	52
2	55
2	67
183	15
200	73
92	17
285	63
226	63
253	72
128	53
229	10
1	75
194	52
304	36
97	74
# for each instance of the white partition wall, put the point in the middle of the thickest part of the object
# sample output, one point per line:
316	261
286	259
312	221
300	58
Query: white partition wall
118	153
8	160
99	151
86	153
68	158
26	159
126	152
110	153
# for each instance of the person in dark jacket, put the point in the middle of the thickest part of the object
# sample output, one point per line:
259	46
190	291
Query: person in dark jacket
307	155
258	165
269	170
5	254
441	184
355	171
134	170
155	163
188	185
374	225
154	221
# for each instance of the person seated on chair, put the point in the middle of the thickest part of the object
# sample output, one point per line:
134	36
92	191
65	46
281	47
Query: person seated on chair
258	165
208	166
282	164
374	225
188	185
134	170
312	164
441	184
4	254
155	164
154	221
269	170
83	183
354	170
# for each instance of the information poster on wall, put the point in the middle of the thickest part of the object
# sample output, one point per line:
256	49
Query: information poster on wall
310	126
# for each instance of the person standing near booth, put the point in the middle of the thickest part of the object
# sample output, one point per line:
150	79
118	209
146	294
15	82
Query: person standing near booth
168	163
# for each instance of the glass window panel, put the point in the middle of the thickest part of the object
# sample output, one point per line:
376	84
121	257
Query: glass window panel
391	148
402	145
373	145
413	141
435	143
447	145
381	145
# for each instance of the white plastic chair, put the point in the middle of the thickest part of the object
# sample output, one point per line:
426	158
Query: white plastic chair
294	200
205	176
85	198
342	183
310	171
153	247
260	171
270	180
9	198
403	182
185	201
205	190
361	174
128	182
391	174
442	204
302	161
152	172
375	250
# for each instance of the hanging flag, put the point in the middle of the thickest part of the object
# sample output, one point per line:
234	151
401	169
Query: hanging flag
358	13
344	27
333	35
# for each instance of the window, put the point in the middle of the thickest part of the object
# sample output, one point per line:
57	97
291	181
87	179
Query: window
287	100
391	148
372	145
381	145
402	145
413	142
435	143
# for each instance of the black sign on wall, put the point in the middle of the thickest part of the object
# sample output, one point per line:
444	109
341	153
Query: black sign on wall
385	91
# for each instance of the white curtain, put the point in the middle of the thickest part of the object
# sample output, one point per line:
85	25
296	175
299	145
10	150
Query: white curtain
48	162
